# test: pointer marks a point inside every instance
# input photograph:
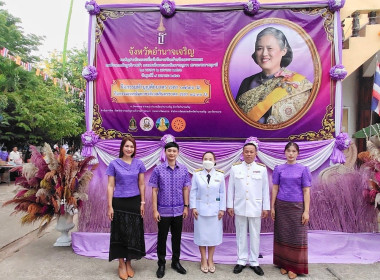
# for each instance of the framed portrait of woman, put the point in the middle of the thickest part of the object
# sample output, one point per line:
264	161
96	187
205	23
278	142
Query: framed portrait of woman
271	73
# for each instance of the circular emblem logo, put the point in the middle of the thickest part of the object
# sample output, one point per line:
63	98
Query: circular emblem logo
162	124
178	124
146	124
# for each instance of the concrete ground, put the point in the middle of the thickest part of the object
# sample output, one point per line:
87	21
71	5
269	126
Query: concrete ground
25	254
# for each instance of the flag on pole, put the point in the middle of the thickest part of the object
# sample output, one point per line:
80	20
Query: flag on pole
375	106
29	66
4	52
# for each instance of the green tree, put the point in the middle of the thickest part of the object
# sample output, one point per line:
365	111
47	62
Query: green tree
13	38
76	60
32	110
35	111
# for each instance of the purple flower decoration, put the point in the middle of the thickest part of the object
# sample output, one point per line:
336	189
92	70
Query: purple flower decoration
92	8
167	8
254	141
342	142
338	72
252	7
336	5
167	138
89	139
89	73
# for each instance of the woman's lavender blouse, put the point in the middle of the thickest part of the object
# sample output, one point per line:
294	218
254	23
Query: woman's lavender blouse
126	176
291	178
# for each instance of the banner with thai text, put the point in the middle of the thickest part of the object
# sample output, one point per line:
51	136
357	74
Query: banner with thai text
215	74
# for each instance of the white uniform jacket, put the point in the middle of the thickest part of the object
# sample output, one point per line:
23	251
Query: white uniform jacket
248	189
208	198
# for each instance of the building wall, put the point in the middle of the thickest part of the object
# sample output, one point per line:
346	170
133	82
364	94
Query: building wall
350	100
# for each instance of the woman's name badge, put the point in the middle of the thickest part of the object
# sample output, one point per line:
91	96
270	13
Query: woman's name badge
256	171
216	180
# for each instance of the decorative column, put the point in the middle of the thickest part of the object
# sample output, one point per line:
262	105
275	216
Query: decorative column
355	24
372	18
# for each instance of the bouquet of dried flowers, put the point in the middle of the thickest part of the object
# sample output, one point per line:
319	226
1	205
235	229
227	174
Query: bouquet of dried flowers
371	167
51	185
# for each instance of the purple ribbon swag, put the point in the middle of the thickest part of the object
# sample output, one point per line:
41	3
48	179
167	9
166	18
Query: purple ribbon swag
167	8
89	73
89	139
338	72
336	5
167	138
254	141
342	142
92	8
251	7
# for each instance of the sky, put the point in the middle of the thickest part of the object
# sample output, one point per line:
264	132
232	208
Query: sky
49	18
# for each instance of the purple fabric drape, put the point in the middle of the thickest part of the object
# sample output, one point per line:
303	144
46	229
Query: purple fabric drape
216	5
338	247
222	150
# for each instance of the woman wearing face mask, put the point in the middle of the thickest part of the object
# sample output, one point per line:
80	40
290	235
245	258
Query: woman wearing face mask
208	201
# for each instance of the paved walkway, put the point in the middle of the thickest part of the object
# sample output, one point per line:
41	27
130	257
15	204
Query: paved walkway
26	255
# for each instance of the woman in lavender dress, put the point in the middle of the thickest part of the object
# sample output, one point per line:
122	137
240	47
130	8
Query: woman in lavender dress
290	212
126	204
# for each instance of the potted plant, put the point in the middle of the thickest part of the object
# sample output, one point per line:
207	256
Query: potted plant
52	185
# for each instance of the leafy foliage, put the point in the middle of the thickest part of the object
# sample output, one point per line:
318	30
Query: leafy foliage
13	38
33	111
36	111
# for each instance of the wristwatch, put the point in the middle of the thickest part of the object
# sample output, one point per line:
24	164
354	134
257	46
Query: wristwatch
186	205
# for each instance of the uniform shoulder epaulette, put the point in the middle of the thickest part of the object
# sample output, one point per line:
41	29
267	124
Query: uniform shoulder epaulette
199	169
237	163
262	164
221	171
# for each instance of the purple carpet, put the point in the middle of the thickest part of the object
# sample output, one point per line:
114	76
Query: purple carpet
324	247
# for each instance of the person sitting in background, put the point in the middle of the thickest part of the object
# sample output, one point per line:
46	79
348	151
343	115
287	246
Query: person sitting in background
4	154
15	156
28	155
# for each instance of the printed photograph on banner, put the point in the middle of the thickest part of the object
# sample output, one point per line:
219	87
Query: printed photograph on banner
273	73
178	124
146	124
162	124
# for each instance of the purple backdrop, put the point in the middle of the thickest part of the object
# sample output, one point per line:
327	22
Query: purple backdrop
173	68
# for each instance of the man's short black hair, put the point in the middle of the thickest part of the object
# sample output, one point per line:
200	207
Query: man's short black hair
171	145
250	144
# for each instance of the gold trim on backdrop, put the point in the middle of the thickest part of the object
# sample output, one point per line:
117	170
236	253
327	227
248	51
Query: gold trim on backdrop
316	65
101	131
325	133
328	24
102	17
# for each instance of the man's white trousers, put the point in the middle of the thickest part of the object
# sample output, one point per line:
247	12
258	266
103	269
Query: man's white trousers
243	223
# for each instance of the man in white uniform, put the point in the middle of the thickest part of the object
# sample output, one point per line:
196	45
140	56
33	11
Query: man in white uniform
248	201
15	156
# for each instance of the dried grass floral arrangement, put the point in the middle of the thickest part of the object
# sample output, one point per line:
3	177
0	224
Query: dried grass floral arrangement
51	184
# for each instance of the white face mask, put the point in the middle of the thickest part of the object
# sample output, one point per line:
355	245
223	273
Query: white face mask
208	164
